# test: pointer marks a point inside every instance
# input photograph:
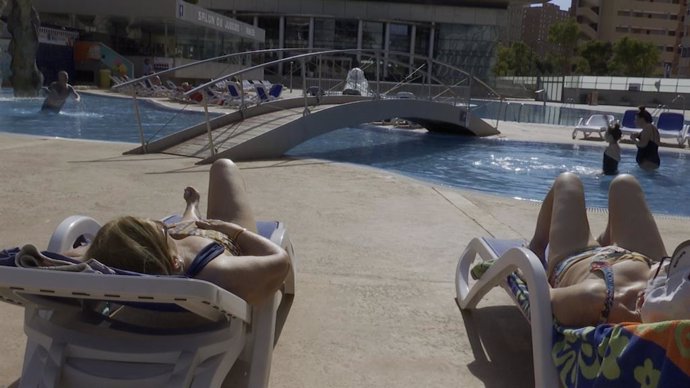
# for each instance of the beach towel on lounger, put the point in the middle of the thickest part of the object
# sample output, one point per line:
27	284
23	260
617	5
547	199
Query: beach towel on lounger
649	355
30	257
623	355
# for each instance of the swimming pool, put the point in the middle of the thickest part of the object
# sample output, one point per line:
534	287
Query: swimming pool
509	168
94	118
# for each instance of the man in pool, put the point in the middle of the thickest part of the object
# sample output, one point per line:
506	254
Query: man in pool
58	91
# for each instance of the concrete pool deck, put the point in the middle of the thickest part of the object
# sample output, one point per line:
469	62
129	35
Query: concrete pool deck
377	254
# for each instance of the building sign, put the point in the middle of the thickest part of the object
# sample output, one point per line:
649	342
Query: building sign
203	17
57	37
162	63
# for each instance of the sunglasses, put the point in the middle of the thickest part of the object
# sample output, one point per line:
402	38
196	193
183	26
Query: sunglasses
668	269
661	264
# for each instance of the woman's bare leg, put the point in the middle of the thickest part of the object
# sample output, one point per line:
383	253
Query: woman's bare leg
191	198
631	224
227	199
562	222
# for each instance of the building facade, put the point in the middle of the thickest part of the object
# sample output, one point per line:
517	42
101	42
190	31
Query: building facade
462	33
536	23
684	57
661	22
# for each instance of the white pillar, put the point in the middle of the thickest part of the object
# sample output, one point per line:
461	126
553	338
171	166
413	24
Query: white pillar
386	47
413	39
360	33
281	41
431	49
256	24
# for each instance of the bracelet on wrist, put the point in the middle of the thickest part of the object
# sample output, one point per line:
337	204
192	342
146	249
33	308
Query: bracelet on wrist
237	234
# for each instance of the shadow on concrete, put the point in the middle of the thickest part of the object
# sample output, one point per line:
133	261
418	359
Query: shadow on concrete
501	343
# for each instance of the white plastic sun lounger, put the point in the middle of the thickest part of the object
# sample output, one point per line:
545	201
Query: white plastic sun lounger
75	339
570	352
510	256
594	124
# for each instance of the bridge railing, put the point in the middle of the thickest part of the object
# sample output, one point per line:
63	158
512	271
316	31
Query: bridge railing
383	70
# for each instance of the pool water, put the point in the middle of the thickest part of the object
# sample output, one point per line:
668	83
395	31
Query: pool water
93	118
509	168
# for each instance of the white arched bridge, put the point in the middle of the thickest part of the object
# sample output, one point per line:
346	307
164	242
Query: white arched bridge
270	129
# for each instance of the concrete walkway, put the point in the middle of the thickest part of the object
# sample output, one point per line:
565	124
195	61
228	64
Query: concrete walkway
377	255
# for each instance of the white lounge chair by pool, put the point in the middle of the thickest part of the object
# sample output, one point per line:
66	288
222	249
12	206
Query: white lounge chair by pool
103	330
597	123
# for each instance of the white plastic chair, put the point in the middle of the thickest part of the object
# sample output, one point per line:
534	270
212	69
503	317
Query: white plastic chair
510	256
594	124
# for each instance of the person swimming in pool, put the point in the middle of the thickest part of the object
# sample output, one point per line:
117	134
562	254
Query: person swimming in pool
58	92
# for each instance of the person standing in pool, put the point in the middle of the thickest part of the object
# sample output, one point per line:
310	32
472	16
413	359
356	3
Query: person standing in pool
647	141
612	153
58	92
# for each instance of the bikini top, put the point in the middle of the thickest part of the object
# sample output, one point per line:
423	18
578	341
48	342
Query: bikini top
205	256
221	244
186	229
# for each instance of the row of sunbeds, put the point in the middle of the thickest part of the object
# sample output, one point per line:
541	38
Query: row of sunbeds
223	93
671	125
257	92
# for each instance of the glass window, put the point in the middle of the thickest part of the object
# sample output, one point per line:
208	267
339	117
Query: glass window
346	31
372	35
468	47
296	32
421	44
324	33
399	35
270	24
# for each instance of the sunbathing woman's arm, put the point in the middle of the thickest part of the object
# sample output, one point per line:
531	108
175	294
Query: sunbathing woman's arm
255	275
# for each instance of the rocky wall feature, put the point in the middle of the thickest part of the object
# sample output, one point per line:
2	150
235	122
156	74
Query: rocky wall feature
22	24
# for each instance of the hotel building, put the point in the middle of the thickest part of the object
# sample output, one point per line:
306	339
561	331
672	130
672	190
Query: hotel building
462	33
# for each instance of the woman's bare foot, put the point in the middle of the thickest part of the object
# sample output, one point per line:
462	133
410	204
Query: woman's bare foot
192	198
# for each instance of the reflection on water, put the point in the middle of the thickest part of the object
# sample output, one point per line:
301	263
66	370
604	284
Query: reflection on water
511	168
93	118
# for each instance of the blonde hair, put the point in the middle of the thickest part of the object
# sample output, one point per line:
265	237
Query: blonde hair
133	244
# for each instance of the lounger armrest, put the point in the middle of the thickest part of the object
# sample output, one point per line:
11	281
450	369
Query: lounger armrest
277	233
69	230
532	271
200	297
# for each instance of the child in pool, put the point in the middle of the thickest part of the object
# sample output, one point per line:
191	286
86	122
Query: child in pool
612	153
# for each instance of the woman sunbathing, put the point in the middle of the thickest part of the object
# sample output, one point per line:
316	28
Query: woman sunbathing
602	280
223	249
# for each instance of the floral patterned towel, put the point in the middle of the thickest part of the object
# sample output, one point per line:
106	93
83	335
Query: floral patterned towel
608	356
623	355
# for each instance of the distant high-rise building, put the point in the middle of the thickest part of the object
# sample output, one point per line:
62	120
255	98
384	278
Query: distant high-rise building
536	23
684	55
661	22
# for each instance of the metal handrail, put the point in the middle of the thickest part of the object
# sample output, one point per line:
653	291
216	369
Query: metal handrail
301	57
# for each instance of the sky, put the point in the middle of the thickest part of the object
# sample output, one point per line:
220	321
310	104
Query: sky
564	4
